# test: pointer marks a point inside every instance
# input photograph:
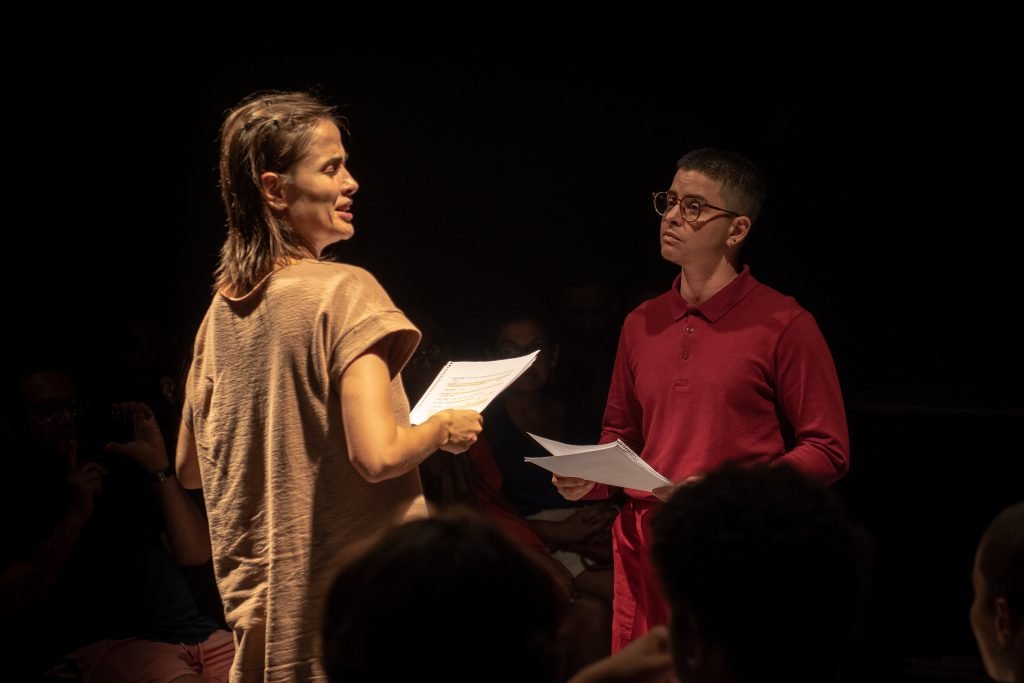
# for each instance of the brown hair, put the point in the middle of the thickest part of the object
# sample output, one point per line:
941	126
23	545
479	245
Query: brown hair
267	131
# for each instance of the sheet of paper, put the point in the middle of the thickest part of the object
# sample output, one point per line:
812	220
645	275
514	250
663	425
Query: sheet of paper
469	385
612	463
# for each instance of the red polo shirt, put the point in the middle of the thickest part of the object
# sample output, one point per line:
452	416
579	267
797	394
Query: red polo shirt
744	376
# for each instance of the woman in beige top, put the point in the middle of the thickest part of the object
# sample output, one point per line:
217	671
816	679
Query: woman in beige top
295	423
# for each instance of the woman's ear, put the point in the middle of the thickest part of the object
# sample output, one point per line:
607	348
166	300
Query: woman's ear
272	187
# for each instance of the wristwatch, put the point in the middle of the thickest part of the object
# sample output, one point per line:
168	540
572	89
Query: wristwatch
164	474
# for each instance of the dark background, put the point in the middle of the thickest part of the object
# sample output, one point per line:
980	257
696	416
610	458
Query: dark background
498	159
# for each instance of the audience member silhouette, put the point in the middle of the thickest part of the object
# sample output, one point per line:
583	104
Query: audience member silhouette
99	546
446	598
997	613
765	577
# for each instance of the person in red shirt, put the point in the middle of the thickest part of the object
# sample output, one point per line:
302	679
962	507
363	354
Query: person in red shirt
720	368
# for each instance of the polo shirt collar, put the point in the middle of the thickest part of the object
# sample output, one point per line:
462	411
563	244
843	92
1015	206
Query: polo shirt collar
717	306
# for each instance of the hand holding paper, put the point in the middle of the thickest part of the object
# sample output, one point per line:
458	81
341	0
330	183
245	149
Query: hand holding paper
612	463
572	488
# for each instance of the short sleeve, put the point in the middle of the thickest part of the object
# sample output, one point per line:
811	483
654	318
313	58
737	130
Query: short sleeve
358	314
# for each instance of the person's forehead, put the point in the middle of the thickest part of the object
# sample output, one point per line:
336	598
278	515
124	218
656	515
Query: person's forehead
688	181
326	141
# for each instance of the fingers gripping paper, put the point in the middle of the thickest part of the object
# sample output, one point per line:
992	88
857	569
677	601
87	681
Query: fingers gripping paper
612	463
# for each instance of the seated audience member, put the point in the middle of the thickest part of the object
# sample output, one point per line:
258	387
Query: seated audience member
447	598
570	541
100	548
765	577
997	613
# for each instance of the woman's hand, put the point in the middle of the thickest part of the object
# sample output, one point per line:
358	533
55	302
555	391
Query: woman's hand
463	427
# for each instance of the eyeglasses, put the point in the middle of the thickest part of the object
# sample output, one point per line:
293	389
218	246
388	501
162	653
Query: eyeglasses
49	412
689	207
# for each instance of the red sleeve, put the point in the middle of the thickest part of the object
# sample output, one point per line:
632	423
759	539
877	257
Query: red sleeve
809	394
623	415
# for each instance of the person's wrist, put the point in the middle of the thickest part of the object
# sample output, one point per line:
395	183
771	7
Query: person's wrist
446	427
162	475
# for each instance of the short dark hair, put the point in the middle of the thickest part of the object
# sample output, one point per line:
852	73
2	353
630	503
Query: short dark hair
1001	558
769	566
742	181
451	589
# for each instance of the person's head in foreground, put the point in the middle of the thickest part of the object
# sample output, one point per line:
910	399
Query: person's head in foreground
447	598
765	576
997	613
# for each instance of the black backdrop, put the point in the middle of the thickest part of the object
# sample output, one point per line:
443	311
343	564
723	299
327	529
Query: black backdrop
493	162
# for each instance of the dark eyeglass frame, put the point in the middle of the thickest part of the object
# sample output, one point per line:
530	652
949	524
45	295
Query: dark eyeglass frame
686	205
